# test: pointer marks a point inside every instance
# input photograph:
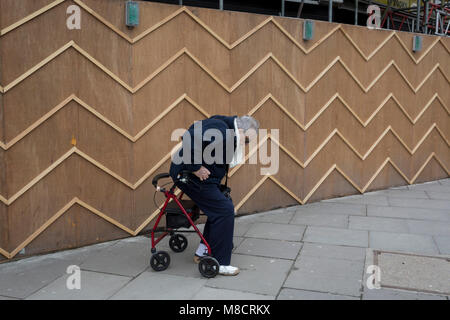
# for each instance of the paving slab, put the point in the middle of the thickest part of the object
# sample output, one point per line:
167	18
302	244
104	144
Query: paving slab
332	207
378	224
276	231
79	255
405	187
127	258
414	272
7	298
377	199
20	279
443	244
94	286
391	294
401	193
207	293
409	213
324	283
438	195
277	216
237	241
432	186
402	242
157	286
444	182
241	227
295	294
333	252
438	228
328	266
356	238
326	274
419	203
270	248
324	219
258	275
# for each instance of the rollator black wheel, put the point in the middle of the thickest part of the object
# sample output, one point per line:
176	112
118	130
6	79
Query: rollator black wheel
208	267
160	260
178	243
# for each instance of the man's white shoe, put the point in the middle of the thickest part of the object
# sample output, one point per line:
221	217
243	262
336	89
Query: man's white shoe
228	270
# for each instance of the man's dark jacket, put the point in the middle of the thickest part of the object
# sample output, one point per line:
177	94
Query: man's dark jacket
217	170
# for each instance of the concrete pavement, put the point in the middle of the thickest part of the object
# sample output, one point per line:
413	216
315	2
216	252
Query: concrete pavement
315	251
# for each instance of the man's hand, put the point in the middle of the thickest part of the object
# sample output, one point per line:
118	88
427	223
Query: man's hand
202	173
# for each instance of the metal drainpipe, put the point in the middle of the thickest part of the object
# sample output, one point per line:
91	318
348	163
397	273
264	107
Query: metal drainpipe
282	8
221	4
330	10
418	16
356	12
427	4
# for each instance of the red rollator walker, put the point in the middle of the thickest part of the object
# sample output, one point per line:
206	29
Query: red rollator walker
179	214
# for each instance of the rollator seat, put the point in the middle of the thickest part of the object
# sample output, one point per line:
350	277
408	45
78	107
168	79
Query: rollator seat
175	218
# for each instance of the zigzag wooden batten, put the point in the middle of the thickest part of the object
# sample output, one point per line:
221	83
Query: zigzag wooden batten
217	37
230	47
166	157
230	89
72	44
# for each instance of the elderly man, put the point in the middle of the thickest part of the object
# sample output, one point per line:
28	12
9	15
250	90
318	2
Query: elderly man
225	134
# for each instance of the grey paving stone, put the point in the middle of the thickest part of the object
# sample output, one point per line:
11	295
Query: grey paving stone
295	294
415	272
402	242
402	193
79	255
94	286
327	284
420	203
333	252
379	200
433	186
21	278
332	207
323	219
276	231
378	224
443	244
127	258
356	238
7	298
207	293
156	286
258	275
277	216
393	294
409	213
434	228
326	267
269	248
405	187
237	242
241	227
438	195
444	182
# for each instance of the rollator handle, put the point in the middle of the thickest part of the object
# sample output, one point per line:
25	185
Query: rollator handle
157	177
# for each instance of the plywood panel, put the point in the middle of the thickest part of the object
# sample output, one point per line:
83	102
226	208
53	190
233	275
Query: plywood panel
86	115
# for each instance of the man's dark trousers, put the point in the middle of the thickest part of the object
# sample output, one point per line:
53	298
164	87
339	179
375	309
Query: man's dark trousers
219	228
